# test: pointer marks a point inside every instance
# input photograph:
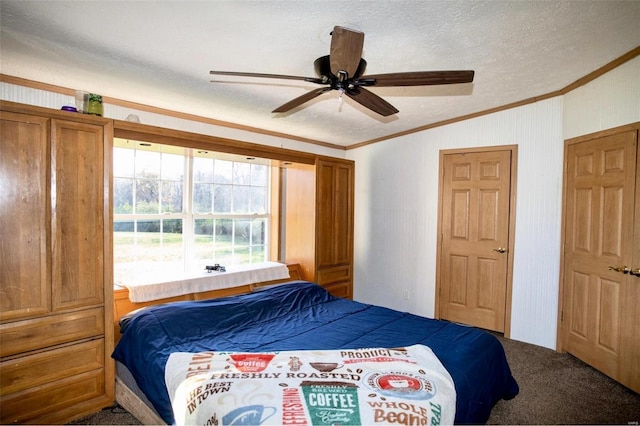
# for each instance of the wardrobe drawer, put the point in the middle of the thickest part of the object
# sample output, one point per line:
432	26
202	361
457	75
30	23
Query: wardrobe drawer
43	404
34	370
22	336
334	274
342	289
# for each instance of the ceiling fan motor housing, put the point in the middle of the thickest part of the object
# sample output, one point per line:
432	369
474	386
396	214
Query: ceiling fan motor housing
323	70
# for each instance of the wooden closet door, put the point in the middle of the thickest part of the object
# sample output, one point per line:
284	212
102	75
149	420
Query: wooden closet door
599	316
77	208
24	269
475	226
334	213
630	372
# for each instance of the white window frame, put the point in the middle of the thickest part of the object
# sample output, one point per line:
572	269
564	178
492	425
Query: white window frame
187	215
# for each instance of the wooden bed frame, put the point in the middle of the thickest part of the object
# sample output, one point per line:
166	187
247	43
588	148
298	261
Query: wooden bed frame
126	397
134	405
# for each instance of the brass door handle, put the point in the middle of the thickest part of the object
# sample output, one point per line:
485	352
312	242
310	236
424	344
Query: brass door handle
635	272
500	249
624	269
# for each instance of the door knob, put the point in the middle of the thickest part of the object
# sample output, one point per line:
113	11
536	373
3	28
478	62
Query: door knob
500	249
624	269
635	272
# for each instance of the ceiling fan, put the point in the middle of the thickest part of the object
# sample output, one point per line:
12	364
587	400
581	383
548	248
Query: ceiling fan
343	70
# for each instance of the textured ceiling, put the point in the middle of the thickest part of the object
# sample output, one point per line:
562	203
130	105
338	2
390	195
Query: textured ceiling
159	53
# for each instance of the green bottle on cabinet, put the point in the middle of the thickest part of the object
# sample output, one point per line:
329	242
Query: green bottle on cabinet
95	104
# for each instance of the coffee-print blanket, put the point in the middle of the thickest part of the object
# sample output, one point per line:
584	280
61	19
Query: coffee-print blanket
406	386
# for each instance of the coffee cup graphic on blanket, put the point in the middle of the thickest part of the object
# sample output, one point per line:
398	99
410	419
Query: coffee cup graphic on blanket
312	387
325	366
249	415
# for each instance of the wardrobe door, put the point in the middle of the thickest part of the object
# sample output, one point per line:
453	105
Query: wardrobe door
334	218
77	173
334	226
24	267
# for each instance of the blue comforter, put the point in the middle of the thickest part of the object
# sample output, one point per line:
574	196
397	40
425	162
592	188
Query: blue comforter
302	315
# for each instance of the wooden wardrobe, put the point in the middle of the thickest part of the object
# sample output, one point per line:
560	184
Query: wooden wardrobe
56	332
319	211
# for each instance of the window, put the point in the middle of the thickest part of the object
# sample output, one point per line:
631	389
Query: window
179	209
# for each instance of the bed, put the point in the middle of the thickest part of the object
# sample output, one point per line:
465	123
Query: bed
299	320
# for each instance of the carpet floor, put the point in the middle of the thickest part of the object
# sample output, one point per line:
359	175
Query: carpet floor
557	388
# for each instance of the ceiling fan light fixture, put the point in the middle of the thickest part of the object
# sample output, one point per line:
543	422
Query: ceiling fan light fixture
343	70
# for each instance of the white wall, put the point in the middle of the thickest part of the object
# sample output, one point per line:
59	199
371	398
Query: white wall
397	187
396	214
609	101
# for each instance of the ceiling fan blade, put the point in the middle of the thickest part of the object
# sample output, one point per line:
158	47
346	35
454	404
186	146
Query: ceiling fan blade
418	78
346	50
260	75
370	100
301	99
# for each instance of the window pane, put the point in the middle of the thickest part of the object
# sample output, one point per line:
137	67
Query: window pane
242	232
123	226
222	171
223	253
222	198
123	165
202	243
122	196
259	175
241	173
171	197
124	239
153	253
124	256
148	253
172	251
258	200
241	255
159	245
172	167
203	227
147	164
147	196
241	199
202	169
202	198
258	254
258	227
172	226
148	231
223	231
224	256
